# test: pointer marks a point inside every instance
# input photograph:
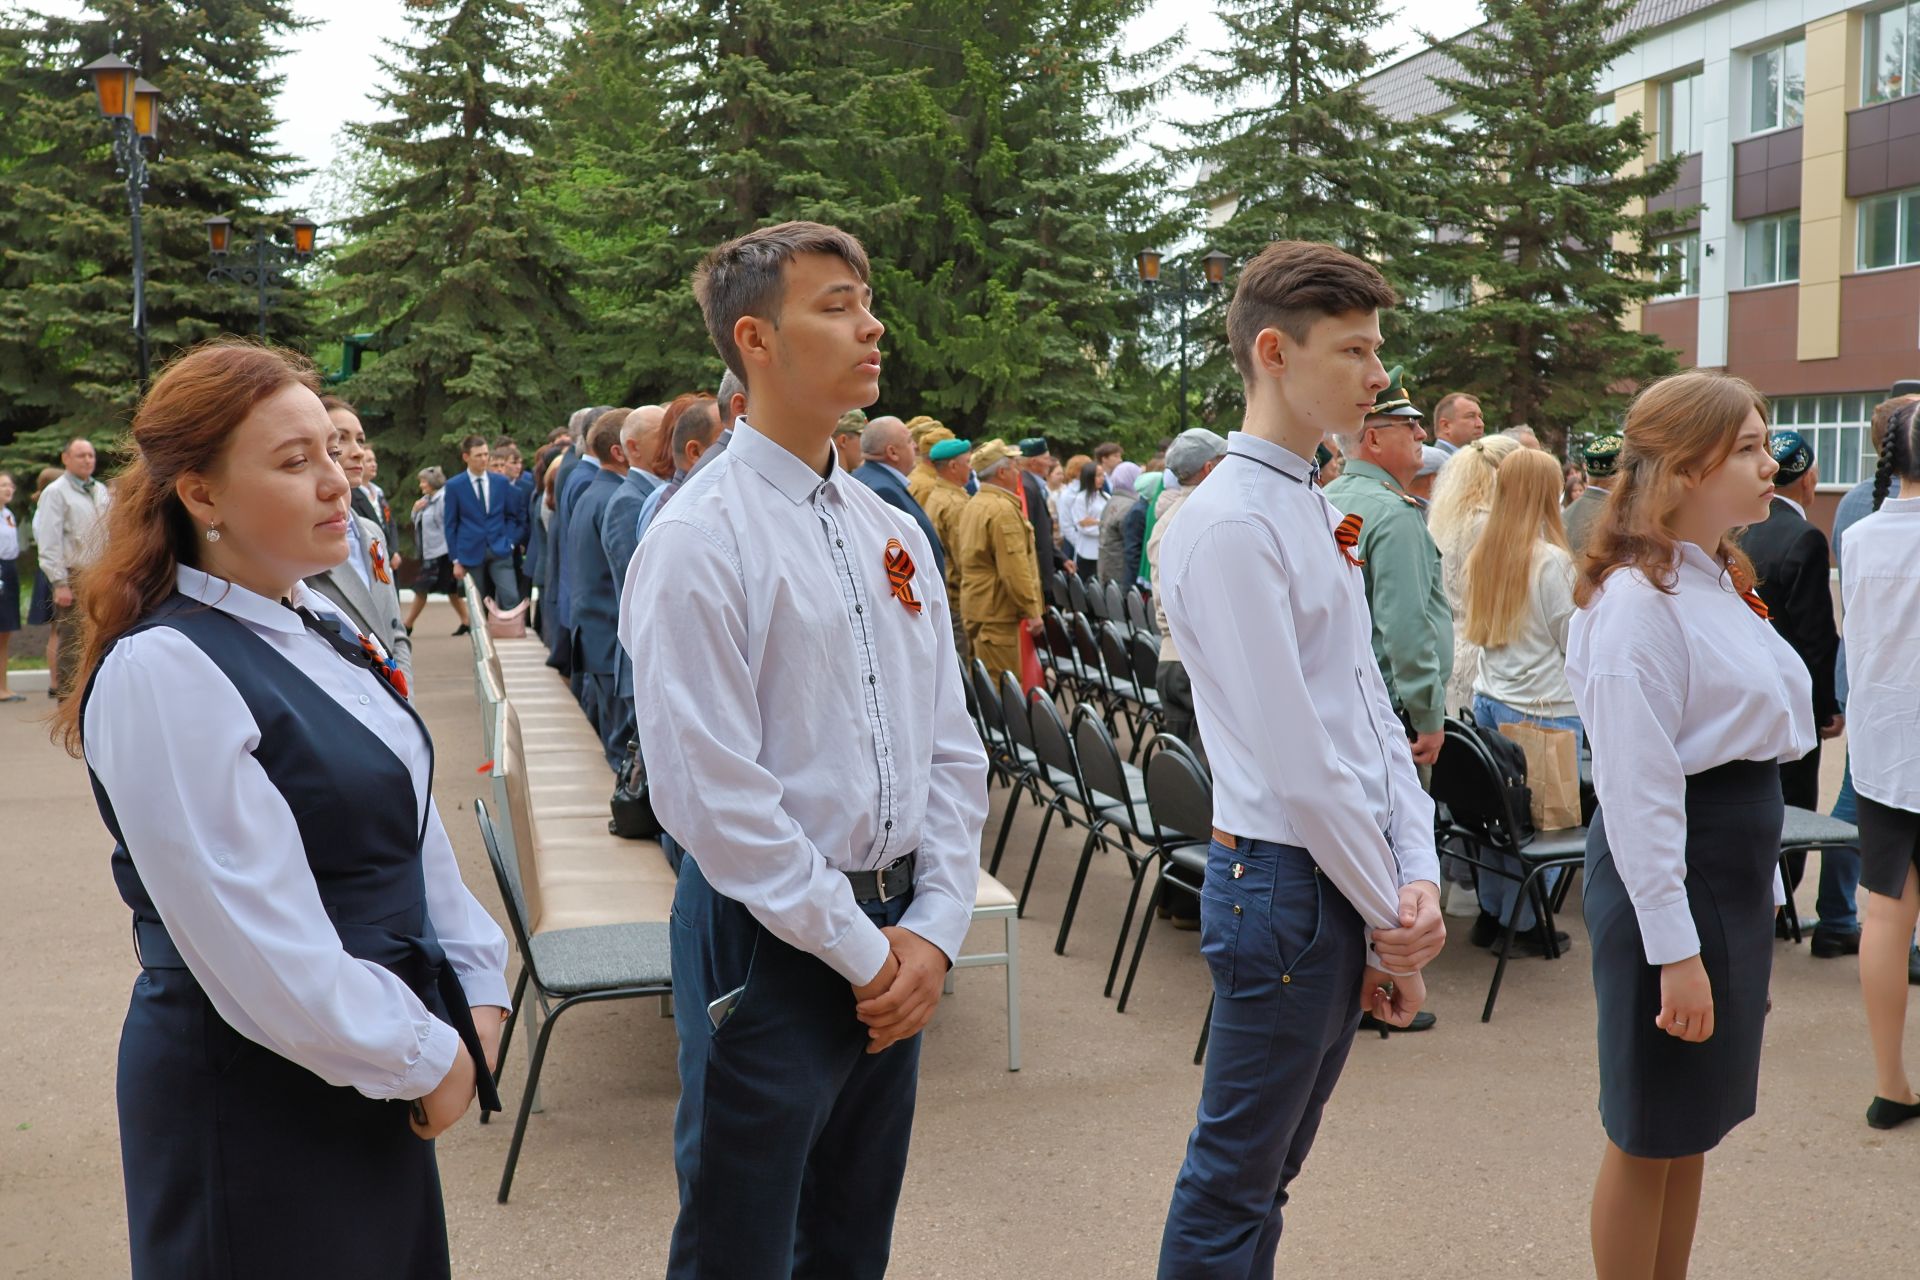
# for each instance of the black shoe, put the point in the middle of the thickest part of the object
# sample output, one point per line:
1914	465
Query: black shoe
1528	943
409	630
1485	930
1883	1114
1422	1021
1828	943
1780	927
1913	967
1186	924
464	628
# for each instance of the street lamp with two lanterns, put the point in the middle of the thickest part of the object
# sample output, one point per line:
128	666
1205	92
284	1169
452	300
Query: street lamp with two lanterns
1213	268
270	260
132	107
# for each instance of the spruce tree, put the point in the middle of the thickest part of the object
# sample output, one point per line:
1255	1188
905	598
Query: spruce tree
1533	222
1295	148
67	352
459	278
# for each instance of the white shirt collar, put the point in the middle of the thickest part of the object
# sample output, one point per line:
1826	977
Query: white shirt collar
1597	488
1800	510
795	480
248	606
1902	506
1277	456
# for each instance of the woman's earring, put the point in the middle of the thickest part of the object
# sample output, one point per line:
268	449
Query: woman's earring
213	533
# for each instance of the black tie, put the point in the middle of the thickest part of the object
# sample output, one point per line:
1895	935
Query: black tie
328	629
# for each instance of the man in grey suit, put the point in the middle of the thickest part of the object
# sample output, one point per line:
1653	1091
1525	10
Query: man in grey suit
1603	457
362	585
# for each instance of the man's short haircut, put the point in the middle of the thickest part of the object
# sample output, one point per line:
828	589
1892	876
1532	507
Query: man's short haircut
1106	449
1450	401
876	435
605	435
746	277
1292	283
698	421
730	386
580	419
471	443
504	447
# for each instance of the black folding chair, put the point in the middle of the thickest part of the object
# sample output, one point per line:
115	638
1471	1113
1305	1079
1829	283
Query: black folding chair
1139	700
1114	795
1180	800
1057	591
1095	681
1069	675
570	967
1059	778
1008	721
1480	816
1802	832
1077	595
1140	612
1116	601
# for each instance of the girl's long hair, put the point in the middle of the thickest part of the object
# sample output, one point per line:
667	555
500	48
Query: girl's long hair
1499	569
1683	425
1464	490
1899	452
183	424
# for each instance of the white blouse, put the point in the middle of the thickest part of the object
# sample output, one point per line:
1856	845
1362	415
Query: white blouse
9	536
1671	685
1880	590
1075	506
220	854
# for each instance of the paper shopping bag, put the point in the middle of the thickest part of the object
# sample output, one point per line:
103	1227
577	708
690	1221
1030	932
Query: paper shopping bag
1553	773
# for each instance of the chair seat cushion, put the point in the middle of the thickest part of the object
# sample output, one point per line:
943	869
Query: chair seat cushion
1804	826
1564	843
599	957
992	893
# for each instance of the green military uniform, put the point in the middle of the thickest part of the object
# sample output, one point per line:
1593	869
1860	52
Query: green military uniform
999	581
1412	624
926	433
1602	457
944	504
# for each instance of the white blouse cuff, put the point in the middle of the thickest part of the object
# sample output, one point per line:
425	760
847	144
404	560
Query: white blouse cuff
438	1045
1667	933
860	953
486	986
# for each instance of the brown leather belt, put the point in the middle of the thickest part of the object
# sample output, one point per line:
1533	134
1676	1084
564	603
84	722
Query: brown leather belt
1226	840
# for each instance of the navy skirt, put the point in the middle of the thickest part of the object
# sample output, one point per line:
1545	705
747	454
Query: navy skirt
1660	1097
9	595
40	610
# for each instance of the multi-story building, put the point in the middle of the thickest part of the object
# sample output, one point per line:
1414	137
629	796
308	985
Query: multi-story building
1799	124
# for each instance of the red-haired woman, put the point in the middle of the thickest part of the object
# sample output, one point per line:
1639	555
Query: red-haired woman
319	992
1690	700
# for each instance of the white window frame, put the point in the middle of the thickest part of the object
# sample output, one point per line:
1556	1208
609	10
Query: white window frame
1908	12
1695	85
1689	278
1826	421
1780	120
1778	274
1907	208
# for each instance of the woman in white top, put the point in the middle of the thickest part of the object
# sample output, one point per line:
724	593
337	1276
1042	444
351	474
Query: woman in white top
1519	605
1880	591
436	568
320	995
1691	700
1082	503
1462	496
9	583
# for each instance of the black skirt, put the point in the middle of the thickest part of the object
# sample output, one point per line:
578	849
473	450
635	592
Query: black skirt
1660	1097
1889	846
40	610
436	575
9	595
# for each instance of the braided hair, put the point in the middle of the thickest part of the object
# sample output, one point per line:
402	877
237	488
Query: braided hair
1899	452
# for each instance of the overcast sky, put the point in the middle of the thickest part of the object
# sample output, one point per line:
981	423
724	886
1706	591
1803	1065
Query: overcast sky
331	72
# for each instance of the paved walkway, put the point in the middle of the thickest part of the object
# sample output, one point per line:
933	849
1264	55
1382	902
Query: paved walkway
1466	1152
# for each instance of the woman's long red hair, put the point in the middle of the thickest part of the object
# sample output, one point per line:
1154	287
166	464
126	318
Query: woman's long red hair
184	424
1684	425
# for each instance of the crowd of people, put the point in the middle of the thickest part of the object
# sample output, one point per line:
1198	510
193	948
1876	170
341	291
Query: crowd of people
763	598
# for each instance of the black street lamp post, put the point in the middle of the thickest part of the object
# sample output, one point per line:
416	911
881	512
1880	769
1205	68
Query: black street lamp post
270	260
1214	269
132	107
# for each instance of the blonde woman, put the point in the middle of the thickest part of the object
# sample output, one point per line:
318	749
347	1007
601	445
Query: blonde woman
1461	498
1519	603
1692	700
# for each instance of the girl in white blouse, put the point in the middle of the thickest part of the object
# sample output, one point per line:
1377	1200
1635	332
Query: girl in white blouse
1880	591
1082	503
320	995
1690	700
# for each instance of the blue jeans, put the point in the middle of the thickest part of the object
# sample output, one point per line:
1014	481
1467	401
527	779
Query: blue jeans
1286	951
1840	869
1499	895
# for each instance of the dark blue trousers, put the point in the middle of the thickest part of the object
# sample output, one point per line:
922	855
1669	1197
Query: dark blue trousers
1286	951
790	1140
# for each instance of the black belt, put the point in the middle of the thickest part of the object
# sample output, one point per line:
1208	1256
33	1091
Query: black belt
892	881
153	946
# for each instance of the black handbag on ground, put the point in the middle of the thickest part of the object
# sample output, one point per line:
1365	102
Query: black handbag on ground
632	808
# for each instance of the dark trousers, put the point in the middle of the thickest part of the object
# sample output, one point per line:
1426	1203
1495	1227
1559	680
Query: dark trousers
1286	952
1800	787
790	1140
610	714
1175	686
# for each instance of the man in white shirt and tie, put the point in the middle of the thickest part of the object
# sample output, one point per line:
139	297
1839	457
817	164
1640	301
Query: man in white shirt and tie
1322	898
808	744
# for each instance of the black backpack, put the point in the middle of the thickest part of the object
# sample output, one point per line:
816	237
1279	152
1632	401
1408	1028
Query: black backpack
631	805
1511	762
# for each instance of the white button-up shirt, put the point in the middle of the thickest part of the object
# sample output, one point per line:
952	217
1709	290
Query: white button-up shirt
1670	685
221	856
1880	590
1272	623
798	721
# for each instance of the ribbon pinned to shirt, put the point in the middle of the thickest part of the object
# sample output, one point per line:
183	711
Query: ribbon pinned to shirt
1347	535
900	576
380	571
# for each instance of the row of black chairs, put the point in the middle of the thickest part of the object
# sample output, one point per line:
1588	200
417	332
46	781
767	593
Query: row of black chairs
1107	664
1106	601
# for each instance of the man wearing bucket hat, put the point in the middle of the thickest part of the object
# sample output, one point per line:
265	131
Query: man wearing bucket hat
1790	558
1602	456
999	585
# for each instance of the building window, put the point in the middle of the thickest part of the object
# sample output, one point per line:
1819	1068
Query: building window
1892	67
1683	124
1679	268
1838	429
1890	230
1773	250
1779	86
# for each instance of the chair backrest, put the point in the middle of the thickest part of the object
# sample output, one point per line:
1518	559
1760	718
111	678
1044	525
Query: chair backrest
491	695
1179	794
504	877
1113	652
1116	601
1061	642
987	699
1085	644
1168	742
1139	612
1076	594
510	788
1013	709
499	672
1051	743
1467	781
1057	590
1102	779
1143	648
1097	601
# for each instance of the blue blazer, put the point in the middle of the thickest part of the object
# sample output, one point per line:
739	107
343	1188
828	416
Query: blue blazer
593	582
886	482
476	535
565	497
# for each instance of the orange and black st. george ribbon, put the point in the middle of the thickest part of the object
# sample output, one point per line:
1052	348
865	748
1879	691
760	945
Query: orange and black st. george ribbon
380	571
900	576
1347	534
1744	582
